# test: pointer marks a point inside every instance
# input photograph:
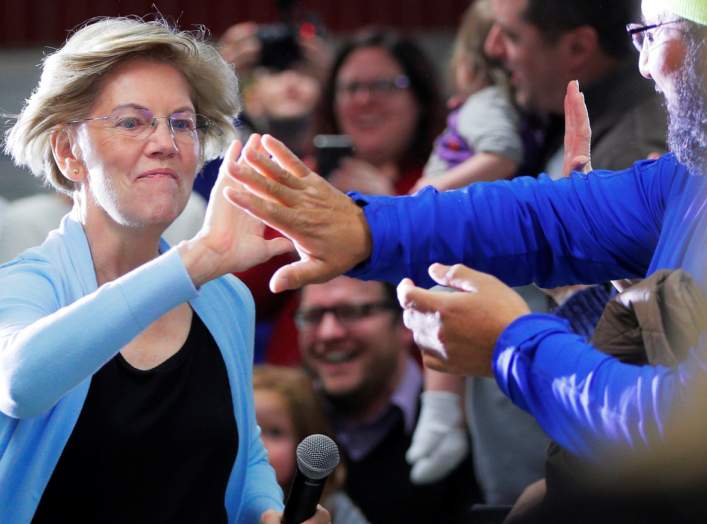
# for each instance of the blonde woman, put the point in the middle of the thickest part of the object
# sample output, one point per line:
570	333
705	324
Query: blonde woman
125	365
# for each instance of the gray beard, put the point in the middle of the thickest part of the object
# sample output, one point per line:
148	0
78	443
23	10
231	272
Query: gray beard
687	120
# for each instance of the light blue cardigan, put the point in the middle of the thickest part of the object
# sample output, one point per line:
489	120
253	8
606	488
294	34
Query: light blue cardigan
57	329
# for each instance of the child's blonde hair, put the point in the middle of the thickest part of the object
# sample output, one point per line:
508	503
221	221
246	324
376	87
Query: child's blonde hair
304	406
468	49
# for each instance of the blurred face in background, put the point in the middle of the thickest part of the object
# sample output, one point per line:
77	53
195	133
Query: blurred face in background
278	433
287	94
356	354
375	106
537	68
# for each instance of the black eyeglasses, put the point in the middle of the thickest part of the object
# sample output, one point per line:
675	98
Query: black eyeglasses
641	33
345	313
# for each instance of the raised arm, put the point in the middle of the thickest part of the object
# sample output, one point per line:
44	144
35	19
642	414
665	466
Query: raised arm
57	328
583	229
48	347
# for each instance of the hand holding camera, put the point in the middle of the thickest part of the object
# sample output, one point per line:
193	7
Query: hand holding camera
240	46
295	40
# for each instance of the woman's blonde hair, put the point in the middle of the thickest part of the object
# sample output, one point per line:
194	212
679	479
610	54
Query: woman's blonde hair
476	23
71	76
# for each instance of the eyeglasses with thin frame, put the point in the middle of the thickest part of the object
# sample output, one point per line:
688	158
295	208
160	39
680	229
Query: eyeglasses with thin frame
641	33
139	123
376	88
346	314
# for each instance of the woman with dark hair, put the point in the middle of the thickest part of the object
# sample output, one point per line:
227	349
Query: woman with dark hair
383	92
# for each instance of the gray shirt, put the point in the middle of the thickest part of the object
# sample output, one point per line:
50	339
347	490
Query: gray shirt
488	123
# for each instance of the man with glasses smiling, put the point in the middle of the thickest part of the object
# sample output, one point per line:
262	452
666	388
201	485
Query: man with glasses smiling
353	340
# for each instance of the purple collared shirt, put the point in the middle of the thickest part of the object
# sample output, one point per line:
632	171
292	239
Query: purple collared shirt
359	439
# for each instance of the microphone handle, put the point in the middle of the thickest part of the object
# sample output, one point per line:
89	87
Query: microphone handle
302	501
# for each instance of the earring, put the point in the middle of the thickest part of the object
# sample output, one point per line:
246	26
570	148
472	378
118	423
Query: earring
76	171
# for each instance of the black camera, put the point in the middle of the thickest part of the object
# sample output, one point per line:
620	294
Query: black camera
279	48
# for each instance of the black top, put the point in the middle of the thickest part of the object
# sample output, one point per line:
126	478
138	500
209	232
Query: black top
380	485
149	446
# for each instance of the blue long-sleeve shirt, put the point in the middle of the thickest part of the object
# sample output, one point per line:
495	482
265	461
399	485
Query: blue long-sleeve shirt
57	328
583	229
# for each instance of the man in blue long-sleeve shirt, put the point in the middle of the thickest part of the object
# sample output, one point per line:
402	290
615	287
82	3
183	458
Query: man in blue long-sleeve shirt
585	229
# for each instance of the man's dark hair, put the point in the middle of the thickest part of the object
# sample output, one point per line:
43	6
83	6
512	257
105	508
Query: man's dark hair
607	17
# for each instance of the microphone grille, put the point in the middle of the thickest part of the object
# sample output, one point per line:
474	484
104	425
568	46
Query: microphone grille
317	456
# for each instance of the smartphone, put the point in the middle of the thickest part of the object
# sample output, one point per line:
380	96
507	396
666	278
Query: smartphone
330	149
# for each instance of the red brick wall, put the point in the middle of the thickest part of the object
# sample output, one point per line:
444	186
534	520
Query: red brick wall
40	22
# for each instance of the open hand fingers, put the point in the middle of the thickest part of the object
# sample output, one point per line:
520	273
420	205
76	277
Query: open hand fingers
258	158
230	158
234	151
272	213
263	187
284	157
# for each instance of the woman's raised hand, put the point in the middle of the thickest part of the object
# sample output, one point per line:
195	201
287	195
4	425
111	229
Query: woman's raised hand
230	240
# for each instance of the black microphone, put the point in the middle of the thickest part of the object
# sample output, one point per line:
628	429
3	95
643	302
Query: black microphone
317	457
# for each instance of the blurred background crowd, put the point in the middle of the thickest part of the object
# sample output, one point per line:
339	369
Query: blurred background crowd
382	97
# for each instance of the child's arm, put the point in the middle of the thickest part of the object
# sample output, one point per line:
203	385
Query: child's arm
482	167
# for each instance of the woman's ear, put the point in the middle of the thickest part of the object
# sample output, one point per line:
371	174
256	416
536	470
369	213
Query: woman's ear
67	154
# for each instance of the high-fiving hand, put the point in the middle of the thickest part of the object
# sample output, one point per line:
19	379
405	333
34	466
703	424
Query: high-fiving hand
230	240
327	228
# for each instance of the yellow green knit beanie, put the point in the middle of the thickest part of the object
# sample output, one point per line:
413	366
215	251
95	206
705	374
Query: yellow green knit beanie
695	10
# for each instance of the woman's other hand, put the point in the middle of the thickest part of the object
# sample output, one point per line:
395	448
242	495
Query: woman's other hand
240	46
